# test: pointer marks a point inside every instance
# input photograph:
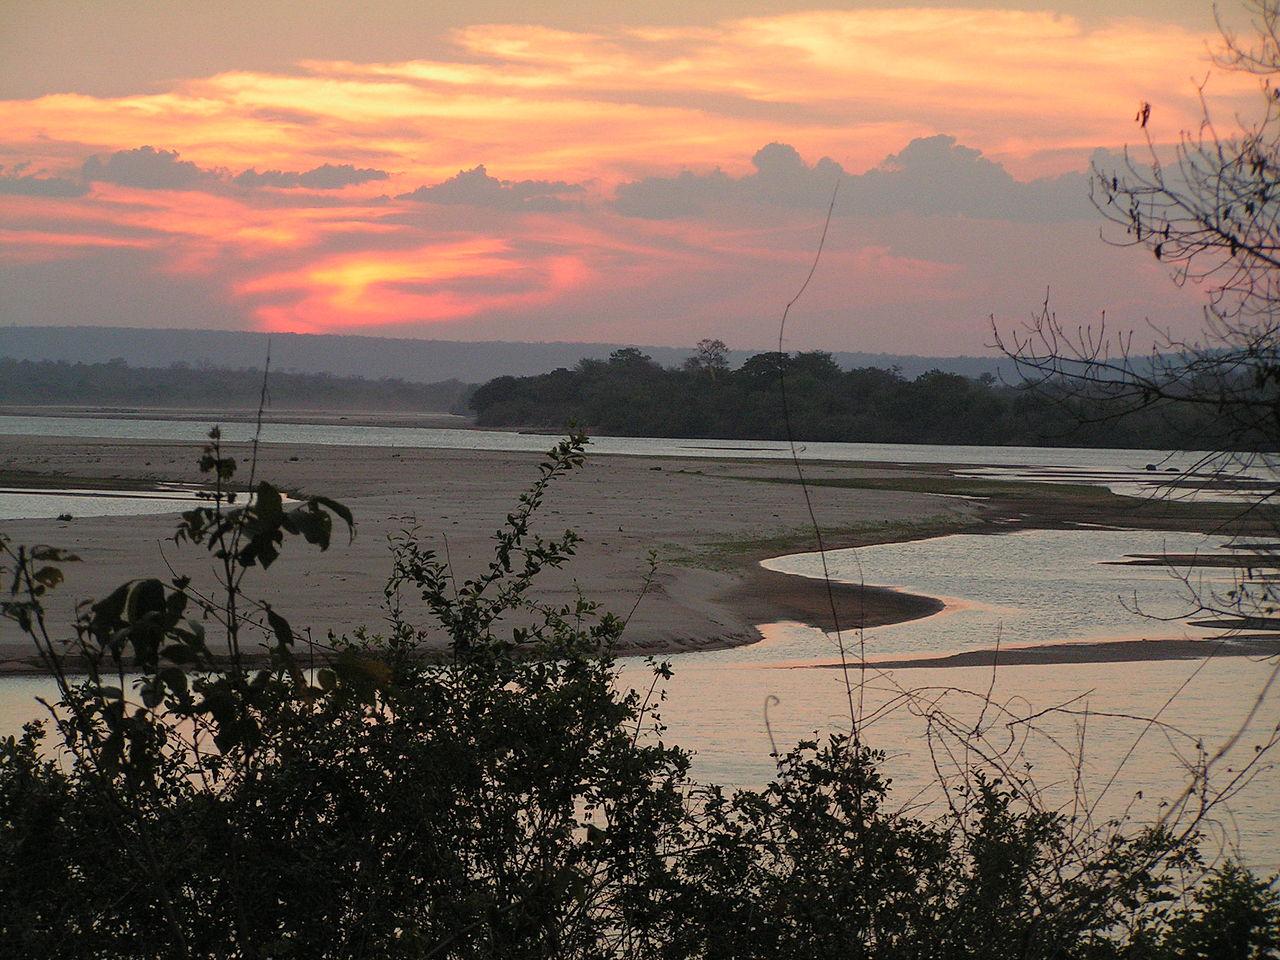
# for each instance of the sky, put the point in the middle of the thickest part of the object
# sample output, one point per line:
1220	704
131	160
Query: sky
654	173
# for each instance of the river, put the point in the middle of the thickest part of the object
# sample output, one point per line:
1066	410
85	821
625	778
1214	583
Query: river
1030	587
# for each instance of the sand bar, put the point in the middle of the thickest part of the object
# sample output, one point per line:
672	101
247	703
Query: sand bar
1099	651
709	521
709	526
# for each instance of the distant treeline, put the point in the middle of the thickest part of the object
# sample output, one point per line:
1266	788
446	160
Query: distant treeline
630	395
115	383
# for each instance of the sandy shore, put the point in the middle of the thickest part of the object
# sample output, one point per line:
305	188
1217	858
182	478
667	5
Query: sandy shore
1102	651
709	523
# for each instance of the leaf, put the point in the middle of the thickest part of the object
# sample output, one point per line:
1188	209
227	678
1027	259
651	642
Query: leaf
311	522
267	504
52	554
145	598
175	603
110	610
340	509
280	626
48	576
152	694
175	677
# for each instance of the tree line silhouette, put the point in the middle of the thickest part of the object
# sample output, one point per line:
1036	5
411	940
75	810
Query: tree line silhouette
631	395
114	382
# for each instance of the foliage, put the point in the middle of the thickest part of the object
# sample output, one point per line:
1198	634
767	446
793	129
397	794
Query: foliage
630	395
513	800
114	383
710	358
1209	209
1238	915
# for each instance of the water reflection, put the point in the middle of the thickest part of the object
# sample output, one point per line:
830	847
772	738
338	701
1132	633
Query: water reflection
1024	587
720	713
24	503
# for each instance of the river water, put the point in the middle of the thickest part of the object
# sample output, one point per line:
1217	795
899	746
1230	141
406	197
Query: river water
1028	587
1021	588
19	503
502	440
731	707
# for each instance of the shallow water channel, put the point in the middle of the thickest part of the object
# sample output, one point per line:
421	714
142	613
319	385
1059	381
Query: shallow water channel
1097	750
17	503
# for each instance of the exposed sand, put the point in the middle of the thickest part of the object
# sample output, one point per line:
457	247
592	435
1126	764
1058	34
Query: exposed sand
709	530
1101	651
708	521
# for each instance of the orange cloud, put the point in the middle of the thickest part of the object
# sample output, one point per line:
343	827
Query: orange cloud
426	284
534	101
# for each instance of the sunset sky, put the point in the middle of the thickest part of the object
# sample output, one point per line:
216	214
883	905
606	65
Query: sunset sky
647	173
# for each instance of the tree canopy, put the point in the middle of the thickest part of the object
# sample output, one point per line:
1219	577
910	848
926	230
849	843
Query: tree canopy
631	395
115	383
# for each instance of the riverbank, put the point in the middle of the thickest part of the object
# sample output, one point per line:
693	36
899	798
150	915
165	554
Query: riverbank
710	521
706	594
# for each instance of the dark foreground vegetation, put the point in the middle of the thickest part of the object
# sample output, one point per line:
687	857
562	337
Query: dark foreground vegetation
115	383
351	799
630	395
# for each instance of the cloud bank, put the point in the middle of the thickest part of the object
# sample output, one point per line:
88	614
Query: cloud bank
147	168
327	176
931	176
476	188
17	183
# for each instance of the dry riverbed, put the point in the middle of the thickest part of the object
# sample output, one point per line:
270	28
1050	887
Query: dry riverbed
709	521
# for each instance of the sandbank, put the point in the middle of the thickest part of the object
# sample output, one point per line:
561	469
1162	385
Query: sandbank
709	521
709	526
1100	651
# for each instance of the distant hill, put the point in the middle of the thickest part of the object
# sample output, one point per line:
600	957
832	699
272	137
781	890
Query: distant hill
420	361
